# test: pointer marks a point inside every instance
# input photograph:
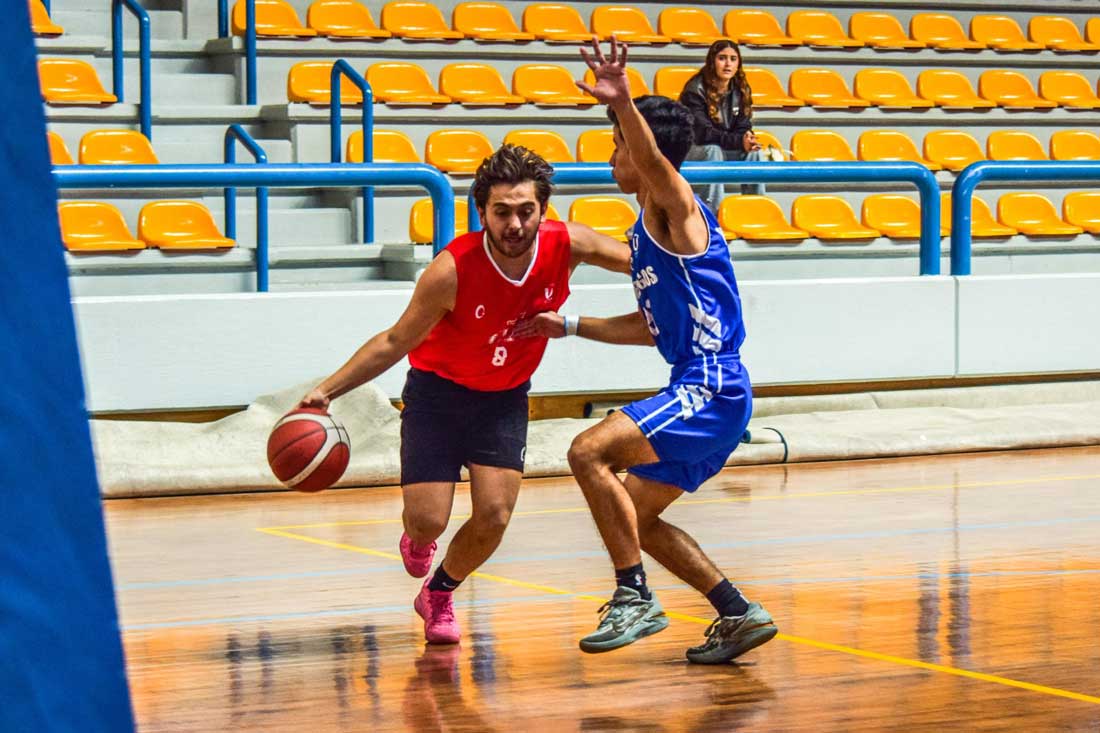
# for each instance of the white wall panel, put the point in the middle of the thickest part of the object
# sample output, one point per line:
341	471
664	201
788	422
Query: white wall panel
1022	324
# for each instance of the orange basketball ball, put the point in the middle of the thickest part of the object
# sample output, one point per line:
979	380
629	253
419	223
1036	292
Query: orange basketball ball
308	449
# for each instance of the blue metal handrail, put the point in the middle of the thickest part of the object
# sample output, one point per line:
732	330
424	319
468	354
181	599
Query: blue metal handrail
791	172
144	55
962	193
281	175
232	135
335	118
249	42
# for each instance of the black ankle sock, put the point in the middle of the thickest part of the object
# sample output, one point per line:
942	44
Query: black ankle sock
633	577
441	581
727	600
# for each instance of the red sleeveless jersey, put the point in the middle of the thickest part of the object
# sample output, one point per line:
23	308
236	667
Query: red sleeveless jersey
472	345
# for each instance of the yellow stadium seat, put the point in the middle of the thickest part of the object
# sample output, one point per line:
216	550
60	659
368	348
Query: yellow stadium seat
823	88
1058	33
896	216
756	28
880	30
273	18
829	218
606	214
487	22
820	146
476	85
819	28
950	89
416	21
595	146
59	152
890	146
91	226
555	23
71	81
888	88
116	147
180	225
343	19
952	149
625	23
549	85
982	223
689	26
389	146
1075	145
457	151
1001	33
402	83
638	85
41	24
768	140
1014	145
1068	89
757	218
311	82
669	81
1092	30
942	32
1034	215
550	145
1082	208
1011	89
422	222
767	90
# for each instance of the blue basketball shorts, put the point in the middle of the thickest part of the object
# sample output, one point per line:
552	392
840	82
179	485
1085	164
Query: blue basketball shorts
696	422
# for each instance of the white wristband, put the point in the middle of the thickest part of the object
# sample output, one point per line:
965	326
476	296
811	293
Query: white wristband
572	323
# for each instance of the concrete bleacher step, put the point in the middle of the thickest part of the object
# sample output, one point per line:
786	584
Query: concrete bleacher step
200	88
309	229
206	146
163	24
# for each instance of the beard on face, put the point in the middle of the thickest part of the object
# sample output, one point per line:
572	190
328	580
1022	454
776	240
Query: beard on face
511	250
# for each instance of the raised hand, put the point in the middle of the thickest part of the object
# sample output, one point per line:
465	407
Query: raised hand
612	85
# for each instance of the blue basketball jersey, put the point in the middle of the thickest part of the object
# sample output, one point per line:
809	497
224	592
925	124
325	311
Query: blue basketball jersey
690	303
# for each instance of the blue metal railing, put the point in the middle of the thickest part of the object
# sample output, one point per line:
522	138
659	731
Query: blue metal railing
146	110
962	193
249	42
335	118
232	135
299	175
921	177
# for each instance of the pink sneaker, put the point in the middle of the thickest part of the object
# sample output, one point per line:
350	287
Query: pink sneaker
418	560
438	612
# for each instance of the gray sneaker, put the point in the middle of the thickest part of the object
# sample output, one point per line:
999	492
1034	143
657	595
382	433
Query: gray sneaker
626	618
728	637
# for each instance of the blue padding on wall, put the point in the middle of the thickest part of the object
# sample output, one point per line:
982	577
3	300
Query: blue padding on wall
61	664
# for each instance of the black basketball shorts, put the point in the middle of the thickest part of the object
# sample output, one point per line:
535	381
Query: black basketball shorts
445	426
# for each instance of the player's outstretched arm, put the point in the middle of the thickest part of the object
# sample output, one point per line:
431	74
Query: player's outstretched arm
591	247
666	190
432	298
626	329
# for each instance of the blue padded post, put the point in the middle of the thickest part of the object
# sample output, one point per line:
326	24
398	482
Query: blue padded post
62	657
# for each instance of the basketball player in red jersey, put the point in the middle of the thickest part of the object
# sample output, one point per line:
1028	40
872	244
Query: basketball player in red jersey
465	396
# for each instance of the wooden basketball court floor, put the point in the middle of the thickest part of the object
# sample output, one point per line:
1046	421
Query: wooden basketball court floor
956	592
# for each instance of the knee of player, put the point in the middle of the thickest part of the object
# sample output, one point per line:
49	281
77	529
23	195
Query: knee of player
494	518
425	527
584	452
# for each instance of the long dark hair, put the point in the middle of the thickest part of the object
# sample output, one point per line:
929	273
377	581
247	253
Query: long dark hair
710	81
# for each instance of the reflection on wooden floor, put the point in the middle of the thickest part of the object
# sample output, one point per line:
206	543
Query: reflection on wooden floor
941	593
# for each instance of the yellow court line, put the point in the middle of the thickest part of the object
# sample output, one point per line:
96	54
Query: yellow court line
853	651
737	499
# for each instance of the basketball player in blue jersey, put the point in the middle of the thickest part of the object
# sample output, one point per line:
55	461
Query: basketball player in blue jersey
669	444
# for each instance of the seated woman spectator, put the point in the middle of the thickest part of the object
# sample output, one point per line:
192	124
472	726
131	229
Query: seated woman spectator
720	99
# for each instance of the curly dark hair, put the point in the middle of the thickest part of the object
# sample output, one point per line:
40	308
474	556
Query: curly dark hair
513	164
710	81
